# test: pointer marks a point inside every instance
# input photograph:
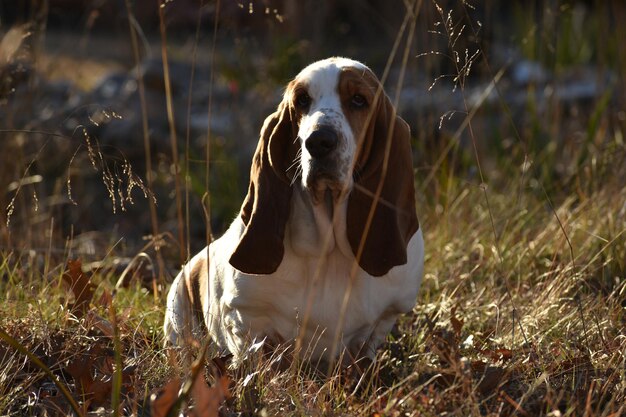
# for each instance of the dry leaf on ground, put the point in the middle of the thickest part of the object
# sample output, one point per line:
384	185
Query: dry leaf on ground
81	286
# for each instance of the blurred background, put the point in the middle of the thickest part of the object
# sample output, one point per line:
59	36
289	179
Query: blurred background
92	163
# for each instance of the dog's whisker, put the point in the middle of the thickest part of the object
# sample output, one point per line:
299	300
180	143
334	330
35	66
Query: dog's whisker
297	175
296	161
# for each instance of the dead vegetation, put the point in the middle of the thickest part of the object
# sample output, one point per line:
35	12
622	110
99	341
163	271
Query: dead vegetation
522	309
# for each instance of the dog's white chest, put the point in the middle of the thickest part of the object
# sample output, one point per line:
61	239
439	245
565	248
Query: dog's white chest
304	299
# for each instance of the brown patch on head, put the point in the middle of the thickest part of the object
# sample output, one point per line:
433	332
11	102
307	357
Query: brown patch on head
297	91
354	83
381	216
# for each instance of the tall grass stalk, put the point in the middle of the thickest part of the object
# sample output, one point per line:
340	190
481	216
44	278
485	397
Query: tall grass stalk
134	27
173	136
206	198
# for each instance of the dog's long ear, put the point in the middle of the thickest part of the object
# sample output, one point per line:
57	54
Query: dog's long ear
385	161
265	209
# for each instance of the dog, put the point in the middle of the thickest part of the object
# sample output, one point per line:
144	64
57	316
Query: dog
327	250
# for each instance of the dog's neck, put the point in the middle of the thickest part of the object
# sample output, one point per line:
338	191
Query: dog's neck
317	229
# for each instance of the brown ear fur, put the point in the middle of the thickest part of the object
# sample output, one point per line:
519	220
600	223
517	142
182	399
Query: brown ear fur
265	209
394	219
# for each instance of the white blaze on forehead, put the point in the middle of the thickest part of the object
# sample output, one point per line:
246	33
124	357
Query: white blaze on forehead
321	80
322	77
337	63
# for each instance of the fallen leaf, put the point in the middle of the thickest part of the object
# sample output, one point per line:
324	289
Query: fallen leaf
208	399
96	321
457	324
92	373
95	392
164	399
81	286
105	299
498	355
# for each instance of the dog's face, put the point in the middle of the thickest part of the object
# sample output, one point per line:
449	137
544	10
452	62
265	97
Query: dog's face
337	135
332	99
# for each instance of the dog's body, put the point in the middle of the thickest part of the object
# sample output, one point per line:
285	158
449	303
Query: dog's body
328	253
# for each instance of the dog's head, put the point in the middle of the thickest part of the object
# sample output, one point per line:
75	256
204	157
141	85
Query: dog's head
335	132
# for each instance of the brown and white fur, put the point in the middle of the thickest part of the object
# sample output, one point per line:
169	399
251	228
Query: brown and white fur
327	247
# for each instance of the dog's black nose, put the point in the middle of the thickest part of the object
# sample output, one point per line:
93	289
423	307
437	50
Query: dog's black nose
321	142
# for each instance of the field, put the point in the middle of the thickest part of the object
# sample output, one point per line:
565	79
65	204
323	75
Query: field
116	167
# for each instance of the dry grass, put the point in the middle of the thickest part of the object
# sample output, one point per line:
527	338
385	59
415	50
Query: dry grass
522	309
503	326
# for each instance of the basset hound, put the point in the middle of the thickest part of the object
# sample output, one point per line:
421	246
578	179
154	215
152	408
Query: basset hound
326	250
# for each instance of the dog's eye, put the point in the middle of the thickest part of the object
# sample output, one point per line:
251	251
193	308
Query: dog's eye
303	100
358	101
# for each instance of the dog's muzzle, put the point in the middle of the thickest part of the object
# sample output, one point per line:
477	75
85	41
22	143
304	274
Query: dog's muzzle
322	142
324	165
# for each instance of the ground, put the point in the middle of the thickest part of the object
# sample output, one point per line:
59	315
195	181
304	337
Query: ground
520	170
